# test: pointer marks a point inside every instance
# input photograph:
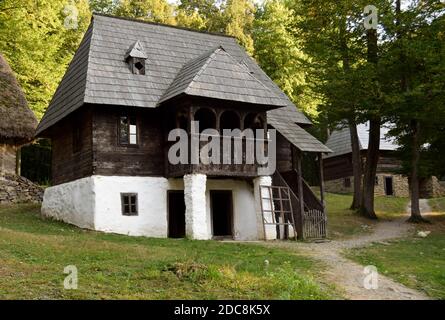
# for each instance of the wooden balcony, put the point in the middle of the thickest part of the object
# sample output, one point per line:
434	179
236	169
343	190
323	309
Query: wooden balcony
226	164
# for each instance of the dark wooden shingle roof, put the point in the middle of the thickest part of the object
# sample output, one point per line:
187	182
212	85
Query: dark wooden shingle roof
216	74
298	136
98	73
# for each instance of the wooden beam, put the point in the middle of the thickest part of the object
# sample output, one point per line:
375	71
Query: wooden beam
18	161
300	186
321	176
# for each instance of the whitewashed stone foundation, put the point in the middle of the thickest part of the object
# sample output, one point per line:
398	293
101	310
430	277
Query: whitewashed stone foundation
95	203
196	223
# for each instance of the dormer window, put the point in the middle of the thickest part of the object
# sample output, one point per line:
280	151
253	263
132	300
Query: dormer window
135	57
137	66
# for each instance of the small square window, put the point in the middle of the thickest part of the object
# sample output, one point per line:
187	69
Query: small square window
376	180
129	204
347	182
127	130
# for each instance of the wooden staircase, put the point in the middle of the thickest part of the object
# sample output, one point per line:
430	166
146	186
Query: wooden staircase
311	223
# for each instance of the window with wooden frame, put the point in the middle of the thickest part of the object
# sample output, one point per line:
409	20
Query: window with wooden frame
128	130
129	204
77	137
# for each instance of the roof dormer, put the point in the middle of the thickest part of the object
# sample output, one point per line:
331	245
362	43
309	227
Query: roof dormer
135	57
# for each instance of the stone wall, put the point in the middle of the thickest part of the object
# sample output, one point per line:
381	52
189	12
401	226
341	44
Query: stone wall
16	189
400	185
431	187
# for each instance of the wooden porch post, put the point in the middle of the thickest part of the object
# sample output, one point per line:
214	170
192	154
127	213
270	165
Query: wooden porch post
18	161
321	176
300	189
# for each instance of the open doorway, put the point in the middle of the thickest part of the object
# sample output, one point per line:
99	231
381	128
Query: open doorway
176	214
389	190
221	206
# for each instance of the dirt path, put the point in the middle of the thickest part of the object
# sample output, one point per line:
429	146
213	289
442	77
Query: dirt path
349	276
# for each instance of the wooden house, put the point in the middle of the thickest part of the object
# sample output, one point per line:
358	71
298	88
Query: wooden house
129	84
389	181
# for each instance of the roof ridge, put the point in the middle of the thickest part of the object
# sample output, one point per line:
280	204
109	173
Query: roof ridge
206	63
161	24
216	50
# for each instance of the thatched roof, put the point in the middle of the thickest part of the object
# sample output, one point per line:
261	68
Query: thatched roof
17	121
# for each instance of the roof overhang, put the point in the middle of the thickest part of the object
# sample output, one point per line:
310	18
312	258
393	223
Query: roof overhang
299	137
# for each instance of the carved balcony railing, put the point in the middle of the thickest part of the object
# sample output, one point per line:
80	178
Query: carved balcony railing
228	161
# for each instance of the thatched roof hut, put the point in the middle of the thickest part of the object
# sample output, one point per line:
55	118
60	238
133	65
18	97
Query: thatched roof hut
17	121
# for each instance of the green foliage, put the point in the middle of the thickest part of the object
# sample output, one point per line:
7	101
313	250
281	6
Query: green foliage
149	10
103	6
238	18
38	46
279	53
413	72
200	14
332	35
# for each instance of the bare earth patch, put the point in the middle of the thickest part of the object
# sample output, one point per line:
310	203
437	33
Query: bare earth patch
347	275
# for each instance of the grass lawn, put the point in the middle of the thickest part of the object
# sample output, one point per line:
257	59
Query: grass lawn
416	262
34	252
343	222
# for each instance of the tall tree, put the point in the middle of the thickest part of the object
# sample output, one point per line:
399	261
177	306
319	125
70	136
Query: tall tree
238	17
334	42
415	74
205	14
375	120
149	10
279	53
103	6
39	38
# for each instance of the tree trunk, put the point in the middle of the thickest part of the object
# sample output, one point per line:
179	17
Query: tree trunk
416	216
372	155
355	146
372	158
356	166
414	125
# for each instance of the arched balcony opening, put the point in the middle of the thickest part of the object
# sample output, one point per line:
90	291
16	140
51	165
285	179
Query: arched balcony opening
206	119
229	120
254	121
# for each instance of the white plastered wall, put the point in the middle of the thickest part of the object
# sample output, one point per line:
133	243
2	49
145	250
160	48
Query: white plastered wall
72	202
244	215
152	204
95	203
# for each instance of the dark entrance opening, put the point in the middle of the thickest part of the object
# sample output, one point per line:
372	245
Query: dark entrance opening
222	213
176	214
389	190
